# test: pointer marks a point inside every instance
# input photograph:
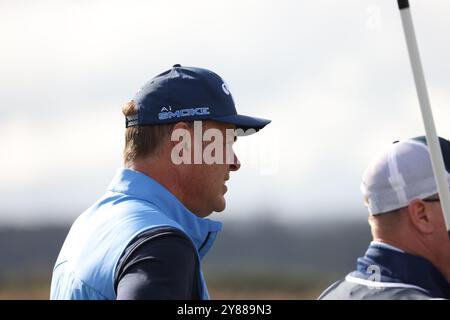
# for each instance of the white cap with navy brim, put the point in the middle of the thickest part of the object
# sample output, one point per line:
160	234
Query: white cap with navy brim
401	174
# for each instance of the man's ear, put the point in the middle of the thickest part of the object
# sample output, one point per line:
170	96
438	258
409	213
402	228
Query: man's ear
420	215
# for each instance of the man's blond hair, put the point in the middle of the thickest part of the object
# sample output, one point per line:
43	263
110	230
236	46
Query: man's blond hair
143	141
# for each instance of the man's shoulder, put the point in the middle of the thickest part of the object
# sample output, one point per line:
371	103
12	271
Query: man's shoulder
129	209
125	201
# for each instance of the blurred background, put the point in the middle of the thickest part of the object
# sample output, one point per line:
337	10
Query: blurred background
334	77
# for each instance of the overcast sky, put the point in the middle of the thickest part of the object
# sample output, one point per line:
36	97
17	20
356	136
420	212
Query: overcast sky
334	77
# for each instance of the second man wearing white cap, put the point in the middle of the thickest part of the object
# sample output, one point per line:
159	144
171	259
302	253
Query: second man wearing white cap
409	257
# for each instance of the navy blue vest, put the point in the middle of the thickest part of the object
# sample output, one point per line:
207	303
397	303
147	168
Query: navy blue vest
385	272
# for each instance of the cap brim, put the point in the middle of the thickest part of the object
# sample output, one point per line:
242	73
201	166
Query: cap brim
245	123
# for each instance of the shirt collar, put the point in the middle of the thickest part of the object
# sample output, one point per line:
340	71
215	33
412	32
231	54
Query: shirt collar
202	231
385	245
403	267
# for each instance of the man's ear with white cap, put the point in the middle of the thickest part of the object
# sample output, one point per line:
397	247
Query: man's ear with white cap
420	214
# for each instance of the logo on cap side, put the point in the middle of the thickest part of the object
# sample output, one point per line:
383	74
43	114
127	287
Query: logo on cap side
225	89
169	108
200	111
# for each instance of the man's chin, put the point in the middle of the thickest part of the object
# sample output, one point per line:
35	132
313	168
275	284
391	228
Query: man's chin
220	206
217	208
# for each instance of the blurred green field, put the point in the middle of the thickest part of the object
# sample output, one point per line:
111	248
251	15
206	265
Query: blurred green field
261	261
41	292
231	283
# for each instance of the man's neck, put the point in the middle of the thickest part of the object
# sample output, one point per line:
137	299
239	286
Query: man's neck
418	248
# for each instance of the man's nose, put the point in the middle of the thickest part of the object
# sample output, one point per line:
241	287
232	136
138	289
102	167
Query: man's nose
236	164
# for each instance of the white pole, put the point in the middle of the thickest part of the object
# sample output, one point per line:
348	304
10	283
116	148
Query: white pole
437	160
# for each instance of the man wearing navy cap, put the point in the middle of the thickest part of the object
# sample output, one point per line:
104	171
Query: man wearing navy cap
146	236
409	257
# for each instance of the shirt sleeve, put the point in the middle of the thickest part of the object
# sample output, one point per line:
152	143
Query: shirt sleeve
161	265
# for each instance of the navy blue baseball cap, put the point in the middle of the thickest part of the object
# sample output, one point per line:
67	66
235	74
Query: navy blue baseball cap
188	94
